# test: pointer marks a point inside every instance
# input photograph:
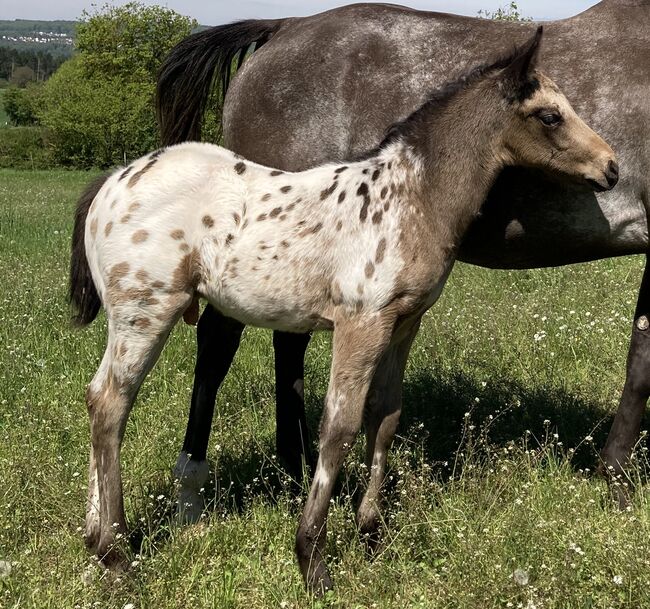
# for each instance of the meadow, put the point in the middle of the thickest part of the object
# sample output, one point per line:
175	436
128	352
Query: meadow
492	499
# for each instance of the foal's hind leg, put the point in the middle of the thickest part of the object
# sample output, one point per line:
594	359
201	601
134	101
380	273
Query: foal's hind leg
357	349
383	409
132	348
217	340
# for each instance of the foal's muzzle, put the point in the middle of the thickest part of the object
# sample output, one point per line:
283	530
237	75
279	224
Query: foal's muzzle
609	179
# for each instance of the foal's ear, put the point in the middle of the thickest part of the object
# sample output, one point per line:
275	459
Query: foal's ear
518	73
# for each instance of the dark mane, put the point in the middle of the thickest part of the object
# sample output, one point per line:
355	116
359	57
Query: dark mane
440	98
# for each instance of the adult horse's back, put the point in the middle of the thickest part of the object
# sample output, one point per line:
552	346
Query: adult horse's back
326	87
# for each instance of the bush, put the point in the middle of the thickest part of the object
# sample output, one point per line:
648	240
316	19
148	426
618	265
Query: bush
21	105
99	105
97	120
24	148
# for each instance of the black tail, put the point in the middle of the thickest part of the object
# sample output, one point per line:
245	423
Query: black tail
82	292
186	78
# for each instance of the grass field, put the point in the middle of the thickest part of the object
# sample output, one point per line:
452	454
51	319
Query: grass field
492	500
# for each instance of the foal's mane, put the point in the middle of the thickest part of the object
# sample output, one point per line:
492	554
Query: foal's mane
441	97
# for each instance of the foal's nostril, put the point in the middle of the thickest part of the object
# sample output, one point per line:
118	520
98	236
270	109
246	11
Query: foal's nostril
612	173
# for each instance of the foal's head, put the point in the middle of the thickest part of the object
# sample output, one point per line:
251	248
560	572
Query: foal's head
541	128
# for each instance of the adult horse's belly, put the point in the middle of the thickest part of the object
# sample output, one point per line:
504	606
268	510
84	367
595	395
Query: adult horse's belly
531	222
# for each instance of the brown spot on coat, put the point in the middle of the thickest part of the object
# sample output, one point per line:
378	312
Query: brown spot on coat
108	228
237	218
93	228
125	173
142	322
177	234
229	238
142	275
375	174
339	225
240	167
261	217
158	285
376	217
381	250
384	192
276	172
275	212
285	189
284	243
208	222
140	236
370	269
336	293
311	231
340	169
135	178
341	196
327	191
266	197
124	219
135	205
187	274
362	191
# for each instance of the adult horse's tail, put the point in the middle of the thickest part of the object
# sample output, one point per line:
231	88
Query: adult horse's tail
82	291
187	75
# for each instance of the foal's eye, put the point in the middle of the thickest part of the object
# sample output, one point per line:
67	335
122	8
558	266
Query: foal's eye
550	119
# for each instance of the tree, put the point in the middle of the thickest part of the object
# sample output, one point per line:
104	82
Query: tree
22	75
99	106
21	104
508	13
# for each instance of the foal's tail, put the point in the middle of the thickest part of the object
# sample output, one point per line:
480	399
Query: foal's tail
187	75
82	292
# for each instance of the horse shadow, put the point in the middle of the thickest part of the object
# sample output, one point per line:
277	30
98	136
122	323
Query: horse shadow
434	413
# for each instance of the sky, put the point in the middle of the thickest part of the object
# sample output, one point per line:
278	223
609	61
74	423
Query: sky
214	12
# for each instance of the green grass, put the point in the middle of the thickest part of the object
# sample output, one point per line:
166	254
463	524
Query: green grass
488	509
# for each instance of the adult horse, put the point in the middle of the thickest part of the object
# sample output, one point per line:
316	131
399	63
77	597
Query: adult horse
326	87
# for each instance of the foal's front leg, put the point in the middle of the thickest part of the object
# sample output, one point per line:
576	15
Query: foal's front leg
357	348
383	409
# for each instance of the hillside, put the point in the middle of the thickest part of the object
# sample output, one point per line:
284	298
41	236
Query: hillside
55	37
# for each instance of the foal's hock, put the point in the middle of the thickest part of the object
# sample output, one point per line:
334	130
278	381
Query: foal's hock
361	248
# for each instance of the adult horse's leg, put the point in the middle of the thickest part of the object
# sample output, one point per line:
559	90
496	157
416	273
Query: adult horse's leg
383	409
627	422
217	340
292	435
357	349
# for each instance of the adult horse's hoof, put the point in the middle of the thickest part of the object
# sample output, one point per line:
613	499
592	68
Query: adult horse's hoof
190	477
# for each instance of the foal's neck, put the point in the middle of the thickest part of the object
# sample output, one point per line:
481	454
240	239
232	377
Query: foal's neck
454	154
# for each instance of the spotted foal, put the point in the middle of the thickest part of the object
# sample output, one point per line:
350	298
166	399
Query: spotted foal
361	248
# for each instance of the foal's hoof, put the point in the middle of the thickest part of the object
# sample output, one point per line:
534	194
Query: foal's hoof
114	560
320	585
371	539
